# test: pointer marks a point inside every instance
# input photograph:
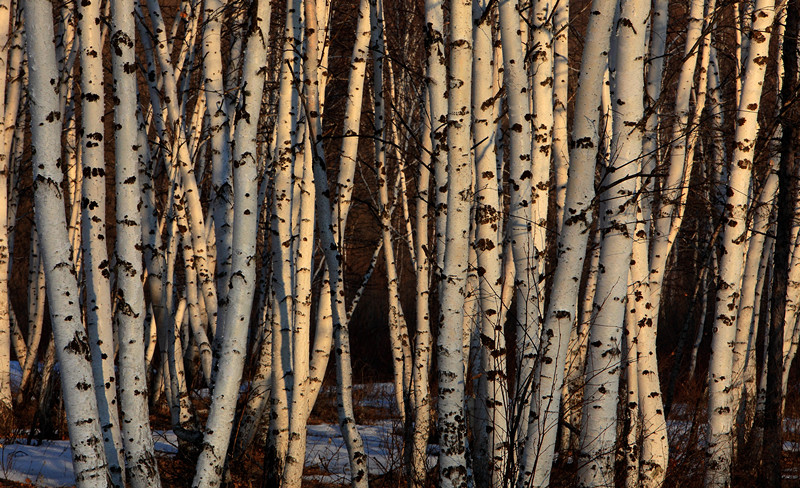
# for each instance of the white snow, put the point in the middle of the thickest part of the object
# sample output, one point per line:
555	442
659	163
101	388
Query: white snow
327	453
50	464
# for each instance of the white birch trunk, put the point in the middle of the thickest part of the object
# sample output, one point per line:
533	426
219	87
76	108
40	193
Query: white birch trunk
300	408
333	257
347	164
574	377
451	422
672	190
631	445
422	340
72	344
571	245
742	399
179	406
654	74
668	219
603	364
720	440
436	81
95	253
36	302
5	251
216	436
181	161
217	110
381	134
281	237
491	427
519	230
560	98
253	416
140	462
541	151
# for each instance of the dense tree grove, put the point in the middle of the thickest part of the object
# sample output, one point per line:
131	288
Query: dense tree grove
538	186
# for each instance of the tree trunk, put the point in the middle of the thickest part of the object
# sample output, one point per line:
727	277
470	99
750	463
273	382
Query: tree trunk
603	363
451	422
95	253
72	344
772	451
572	241
140	462
720	441
217	433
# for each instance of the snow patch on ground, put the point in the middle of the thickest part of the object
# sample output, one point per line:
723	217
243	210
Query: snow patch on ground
50	464
327	453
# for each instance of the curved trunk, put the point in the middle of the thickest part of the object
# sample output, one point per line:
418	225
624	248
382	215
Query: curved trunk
344	191
572	241
71	341
217	433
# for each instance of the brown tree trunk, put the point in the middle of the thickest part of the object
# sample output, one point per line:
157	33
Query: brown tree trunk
770	474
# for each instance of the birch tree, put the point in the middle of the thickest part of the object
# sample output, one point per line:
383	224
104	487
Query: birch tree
491	427
732	261
451	374
217	110
140	462
616	224
71	342
95	254
210	465
771	470
518	229
5	254
572	242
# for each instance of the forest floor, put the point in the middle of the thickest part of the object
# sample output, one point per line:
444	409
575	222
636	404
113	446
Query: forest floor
48	463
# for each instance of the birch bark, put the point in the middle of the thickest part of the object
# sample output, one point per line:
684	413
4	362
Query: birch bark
560	100
333	258
216	437
217	111
451	422
140	462
572	242
5	254
95	252
518	229
381	129
491	429
422	340
344	190
732	261
71	341
598	430
281	238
